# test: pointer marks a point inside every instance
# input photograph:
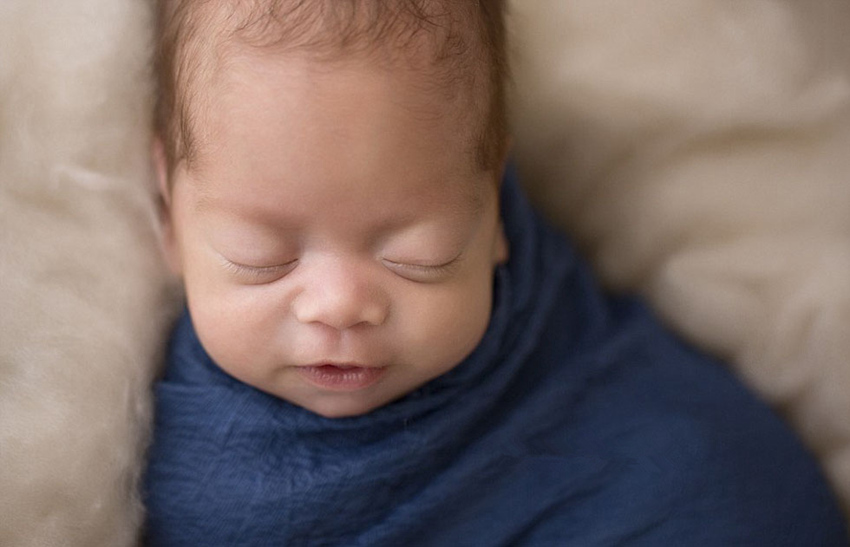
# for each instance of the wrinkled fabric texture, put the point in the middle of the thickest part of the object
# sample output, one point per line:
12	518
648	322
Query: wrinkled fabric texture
578	420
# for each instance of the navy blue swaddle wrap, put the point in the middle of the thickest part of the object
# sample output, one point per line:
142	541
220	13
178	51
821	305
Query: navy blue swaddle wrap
579	420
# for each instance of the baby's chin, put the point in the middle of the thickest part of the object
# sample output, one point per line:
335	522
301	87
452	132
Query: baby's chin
341	407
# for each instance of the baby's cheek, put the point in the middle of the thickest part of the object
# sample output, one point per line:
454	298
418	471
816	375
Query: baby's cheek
226	325
449	324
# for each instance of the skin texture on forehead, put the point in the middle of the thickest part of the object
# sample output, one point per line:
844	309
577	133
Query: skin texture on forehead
351	101
444	40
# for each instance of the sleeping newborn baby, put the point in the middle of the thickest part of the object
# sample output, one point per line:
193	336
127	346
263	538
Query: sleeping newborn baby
383	345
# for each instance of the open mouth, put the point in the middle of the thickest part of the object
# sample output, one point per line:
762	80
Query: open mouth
341	377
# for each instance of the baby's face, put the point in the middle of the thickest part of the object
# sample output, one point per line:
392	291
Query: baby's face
336	237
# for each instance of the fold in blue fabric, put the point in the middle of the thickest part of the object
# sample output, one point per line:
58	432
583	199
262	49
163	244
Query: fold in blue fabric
579	420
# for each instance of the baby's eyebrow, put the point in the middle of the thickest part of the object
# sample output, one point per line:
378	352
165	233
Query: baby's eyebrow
474	198
203	203
477	202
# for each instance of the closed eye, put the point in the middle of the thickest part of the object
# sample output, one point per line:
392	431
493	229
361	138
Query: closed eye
423	273
257	275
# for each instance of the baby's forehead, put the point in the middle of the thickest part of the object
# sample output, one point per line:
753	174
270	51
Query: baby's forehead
446	92
444	41
287	116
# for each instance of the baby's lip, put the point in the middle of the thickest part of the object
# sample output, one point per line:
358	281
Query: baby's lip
342	365
341	377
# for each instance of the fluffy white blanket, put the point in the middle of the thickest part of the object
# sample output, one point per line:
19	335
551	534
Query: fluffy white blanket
83	294
697	150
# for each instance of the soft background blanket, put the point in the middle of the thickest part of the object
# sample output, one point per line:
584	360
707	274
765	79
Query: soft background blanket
697	150
82	289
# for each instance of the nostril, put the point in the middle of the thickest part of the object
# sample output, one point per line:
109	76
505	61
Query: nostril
375	313
339	310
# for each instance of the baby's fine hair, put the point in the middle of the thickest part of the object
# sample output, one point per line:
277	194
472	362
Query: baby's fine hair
465	41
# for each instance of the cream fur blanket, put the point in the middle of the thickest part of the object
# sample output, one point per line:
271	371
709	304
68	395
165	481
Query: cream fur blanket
698	150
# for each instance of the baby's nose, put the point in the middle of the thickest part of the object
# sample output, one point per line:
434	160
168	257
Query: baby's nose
340	298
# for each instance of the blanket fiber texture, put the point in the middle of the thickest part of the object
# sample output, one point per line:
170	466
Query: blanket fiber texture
696	151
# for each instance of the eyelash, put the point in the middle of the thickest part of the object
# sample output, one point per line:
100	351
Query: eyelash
259	273
263	274
430	270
